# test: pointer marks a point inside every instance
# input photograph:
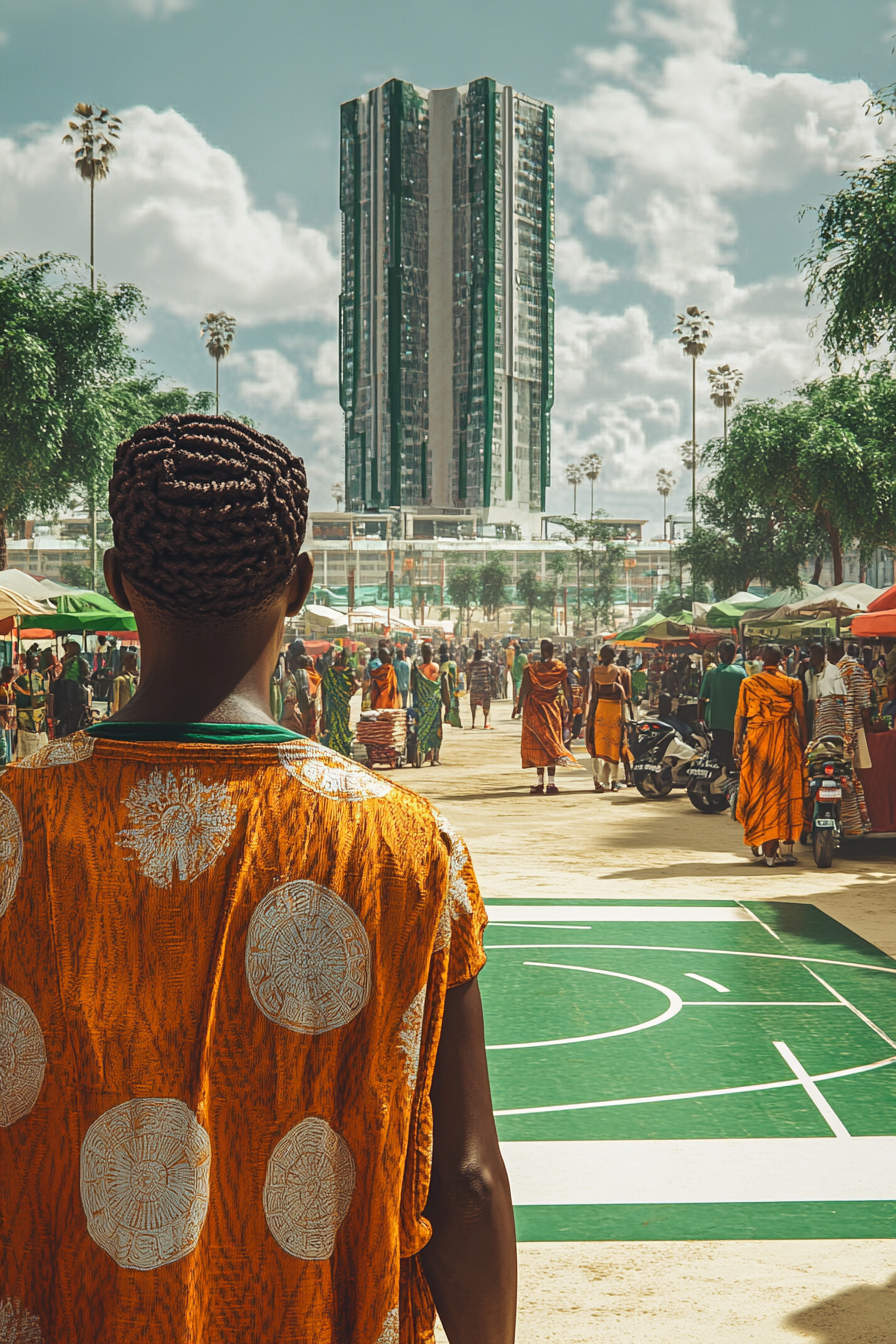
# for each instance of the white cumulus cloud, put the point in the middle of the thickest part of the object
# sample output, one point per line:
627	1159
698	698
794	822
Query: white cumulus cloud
154	9
176	217
665	160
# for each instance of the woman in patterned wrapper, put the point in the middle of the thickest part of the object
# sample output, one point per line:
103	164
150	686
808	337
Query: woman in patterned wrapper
245	1096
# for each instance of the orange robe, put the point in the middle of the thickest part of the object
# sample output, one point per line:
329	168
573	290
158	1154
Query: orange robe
218	1034
772	774
604	730
541	744
384	693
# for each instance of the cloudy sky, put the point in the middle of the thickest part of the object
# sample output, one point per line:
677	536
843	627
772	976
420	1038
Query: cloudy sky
689	133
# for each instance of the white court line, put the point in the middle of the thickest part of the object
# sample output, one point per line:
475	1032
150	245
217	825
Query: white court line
767	928
700	951
701	1171
851	1006
675	1006
687	1096
812	1090
763	1003
713	984
619	914
507	924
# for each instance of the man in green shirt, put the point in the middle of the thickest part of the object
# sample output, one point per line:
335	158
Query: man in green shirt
718	702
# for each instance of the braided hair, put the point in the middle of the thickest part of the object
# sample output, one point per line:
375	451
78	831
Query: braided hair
208	515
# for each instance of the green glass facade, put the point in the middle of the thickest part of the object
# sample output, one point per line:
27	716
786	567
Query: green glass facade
446	323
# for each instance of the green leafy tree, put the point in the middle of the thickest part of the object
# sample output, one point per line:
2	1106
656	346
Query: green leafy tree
599	554
463	589
800	480
62	350
849	267
494	579
532	593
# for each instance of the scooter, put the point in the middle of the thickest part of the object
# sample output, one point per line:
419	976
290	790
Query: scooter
661	757
830	774
709	784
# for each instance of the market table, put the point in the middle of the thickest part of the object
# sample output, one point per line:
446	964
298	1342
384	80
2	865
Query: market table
879	782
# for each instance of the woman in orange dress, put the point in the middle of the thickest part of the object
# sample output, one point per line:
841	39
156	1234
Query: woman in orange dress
769	737
604	720
544	686
384	692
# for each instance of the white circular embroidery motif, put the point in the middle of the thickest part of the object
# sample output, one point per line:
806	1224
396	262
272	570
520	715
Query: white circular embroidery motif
23	1058
409	1038
18	1326
177	823
308	1189
65	751
10	851
144	1181
389	1333
307	958
330	775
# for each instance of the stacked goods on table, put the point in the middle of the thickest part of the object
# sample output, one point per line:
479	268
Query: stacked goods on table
384	732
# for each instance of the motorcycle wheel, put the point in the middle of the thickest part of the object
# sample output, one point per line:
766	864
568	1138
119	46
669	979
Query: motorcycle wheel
643	789
706	802
660	785
823	847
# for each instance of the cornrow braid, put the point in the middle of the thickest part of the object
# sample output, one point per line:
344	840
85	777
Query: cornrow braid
208	515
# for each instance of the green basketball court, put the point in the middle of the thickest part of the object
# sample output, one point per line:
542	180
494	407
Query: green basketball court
705	1070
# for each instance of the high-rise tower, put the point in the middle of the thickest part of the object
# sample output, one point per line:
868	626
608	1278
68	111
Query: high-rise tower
446	321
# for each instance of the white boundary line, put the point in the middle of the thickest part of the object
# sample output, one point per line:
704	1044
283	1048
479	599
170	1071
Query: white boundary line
813	1091
700	951
851	1006
686	1096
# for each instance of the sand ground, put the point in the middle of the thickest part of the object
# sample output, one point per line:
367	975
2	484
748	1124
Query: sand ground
620	845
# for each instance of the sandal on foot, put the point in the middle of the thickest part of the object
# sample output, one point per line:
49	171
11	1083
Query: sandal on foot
537	788
599	788
552	788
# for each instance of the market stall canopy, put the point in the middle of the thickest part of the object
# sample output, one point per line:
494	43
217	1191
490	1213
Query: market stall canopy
15	604
17	581
324	615
782	597
658	627
844	600
885	602
82	612
874	624
725	615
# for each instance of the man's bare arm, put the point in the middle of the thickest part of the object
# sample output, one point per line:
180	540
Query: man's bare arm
470	1263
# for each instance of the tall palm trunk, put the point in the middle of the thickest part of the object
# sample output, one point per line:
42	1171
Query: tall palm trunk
693	445
92	234
217	371
4	556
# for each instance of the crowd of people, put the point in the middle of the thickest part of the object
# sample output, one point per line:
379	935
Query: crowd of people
44	696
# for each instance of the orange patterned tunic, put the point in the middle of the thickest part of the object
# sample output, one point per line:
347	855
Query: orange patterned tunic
222	977
772	774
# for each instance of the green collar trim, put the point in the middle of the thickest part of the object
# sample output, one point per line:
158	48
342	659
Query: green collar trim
220	734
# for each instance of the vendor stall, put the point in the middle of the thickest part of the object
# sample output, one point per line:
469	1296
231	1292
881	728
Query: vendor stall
879	782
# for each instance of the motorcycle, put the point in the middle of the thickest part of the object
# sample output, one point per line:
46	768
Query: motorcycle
661	757
830	775
709	784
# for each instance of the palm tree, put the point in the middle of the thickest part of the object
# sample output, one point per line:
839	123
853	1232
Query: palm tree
219	329
694	331
336	492
98	131
575	475
591	465
665	484
725	384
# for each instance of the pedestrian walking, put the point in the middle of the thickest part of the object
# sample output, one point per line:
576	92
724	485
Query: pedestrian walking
543	686
769	737
480	682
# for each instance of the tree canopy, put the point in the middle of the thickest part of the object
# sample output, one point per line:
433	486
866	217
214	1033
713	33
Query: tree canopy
71	388
799	480
850	264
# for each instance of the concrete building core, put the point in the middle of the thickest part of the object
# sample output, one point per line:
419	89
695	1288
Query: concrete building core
447	305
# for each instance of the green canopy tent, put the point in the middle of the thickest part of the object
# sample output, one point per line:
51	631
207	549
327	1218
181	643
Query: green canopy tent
656	626
82	612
